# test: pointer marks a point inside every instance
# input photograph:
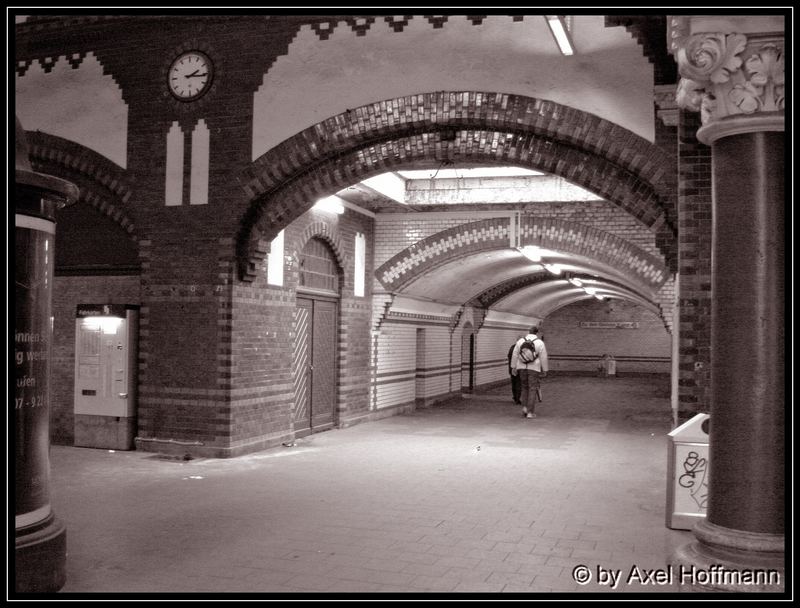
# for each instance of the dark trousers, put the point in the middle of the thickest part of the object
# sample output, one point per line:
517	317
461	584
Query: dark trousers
529	379
516	389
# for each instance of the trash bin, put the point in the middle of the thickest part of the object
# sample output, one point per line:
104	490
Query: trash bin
607	365
687	473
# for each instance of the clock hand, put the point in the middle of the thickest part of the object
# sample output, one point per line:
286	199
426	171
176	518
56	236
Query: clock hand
196	75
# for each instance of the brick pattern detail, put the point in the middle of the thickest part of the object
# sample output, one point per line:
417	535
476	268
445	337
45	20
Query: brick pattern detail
639	265
617	165
651	33
322	26
251	406
398	24
189	324
489	234
437	21
397	231
437	249
323	29
476	19
328	234
103	184
501	290
360	25
381	303
22	67
667	140
667	299
695	204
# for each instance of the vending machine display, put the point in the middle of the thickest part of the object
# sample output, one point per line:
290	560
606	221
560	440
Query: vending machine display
105	375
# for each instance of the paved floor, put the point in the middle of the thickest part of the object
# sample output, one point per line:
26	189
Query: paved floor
465	496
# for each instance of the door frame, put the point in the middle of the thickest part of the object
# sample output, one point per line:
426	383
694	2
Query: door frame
315	295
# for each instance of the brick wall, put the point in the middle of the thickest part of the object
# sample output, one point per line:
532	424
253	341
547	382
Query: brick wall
395	379
694	247
571	348
434	375
263	335
68	292
492	350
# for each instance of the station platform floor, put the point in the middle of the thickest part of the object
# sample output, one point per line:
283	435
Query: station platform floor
463	497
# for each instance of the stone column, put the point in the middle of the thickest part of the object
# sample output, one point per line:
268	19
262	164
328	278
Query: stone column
732	71
40	538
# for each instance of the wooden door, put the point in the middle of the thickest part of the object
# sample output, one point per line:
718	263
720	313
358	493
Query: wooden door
323	373
315	366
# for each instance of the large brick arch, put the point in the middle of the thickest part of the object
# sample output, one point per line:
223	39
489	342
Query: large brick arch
102	183
454	127
639	266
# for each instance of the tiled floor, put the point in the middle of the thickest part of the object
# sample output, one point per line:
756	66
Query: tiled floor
465	496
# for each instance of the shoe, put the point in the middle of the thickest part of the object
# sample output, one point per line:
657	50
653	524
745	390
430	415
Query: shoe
529	415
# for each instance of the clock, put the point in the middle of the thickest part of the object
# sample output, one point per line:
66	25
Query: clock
190	75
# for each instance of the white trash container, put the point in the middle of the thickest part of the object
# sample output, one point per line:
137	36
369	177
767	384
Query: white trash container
687	475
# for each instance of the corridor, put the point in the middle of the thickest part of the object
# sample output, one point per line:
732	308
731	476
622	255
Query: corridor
465	496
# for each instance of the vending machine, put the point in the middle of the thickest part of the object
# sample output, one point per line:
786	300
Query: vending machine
105	375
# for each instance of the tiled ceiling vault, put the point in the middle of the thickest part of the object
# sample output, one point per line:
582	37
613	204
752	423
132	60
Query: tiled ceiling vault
481	263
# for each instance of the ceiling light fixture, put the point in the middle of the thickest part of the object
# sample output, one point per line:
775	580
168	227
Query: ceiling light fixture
331	204
531	252
559	26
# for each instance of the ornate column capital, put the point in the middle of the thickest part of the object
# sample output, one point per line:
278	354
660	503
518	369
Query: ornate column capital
733	74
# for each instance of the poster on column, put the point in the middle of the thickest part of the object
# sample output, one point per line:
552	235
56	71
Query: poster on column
32	331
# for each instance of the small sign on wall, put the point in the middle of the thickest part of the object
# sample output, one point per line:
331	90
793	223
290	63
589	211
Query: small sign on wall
609	324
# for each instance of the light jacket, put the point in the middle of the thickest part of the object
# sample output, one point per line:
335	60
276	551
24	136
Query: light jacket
540	364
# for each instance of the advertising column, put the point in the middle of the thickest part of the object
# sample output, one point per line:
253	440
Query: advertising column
40	539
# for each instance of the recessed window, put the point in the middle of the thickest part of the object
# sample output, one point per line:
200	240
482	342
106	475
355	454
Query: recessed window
318	267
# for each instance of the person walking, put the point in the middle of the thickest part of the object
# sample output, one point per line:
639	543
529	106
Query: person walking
516	386
529	362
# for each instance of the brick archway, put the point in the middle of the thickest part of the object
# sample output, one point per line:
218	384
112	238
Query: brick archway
570	237
456	127
102	183
325	233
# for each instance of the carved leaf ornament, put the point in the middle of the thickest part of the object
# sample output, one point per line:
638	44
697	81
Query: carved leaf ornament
711	56
717	82
767	76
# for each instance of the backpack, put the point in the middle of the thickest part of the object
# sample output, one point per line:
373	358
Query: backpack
527	351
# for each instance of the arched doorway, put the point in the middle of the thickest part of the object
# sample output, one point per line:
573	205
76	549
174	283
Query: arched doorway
316	324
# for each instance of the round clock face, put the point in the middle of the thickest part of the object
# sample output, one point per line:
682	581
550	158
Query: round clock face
190	75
